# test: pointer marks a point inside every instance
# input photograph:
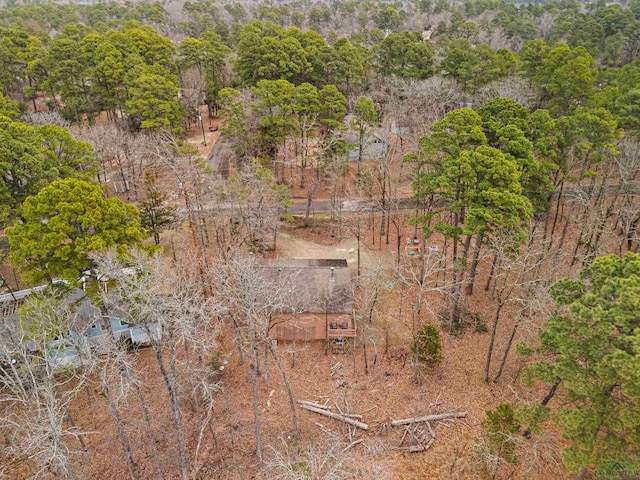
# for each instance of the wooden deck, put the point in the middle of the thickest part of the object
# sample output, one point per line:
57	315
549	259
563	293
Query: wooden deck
338	331
341	332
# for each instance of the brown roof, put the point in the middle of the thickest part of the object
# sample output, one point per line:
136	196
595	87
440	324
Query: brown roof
319	285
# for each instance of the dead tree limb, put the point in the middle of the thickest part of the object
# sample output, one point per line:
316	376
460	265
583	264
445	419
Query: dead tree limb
427	418
314	404
327	430
335	416
412	449
433	437
352	444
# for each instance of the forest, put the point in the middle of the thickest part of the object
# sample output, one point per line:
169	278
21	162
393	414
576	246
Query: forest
475	163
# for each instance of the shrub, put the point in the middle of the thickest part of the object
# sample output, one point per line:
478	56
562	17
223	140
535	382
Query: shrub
428	345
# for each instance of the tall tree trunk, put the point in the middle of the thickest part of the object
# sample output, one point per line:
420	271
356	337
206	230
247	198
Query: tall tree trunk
388	214
360	153
507	350
474	263
552	392
566	226
124	440
557	213
303	165
496	319
170	385
459	274
194	389
253	367
285	379
577	247
358	238
455	288
418	327
364	353
491	271
307	212
496	281
150	435
75	429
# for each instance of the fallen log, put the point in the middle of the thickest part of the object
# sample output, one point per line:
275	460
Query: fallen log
429	443
335	416
350	415
433	437
427	418
353	415
314	404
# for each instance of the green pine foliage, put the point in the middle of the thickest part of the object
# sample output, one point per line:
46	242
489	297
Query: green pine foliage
427	346
64	224
592	347
155	214
501	429
33	157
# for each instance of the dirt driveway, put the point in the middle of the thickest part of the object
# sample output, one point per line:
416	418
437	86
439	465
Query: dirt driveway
292	247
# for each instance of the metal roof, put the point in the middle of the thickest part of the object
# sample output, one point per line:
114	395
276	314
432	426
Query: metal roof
318	285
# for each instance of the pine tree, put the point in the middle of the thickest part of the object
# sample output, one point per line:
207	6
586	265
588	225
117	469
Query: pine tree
155	216
591	349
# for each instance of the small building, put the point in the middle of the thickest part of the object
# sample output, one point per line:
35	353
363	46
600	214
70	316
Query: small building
374	147
62	351
321	304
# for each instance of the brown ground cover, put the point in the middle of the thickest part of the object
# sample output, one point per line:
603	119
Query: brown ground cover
388	391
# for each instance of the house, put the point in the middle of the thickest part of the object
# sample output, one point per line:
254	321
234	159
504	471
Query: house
321	304
135	333
62	351
66	351
12	301
401	130
374	147
89	327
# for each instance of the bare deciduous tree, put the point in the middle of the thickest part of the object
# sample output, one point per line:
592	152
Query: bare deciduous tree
256	203
122	157
37	385
251	298
416	105
168	304
516	276
419	273
628	207
376	282
325	458
189	182
45	117
518	88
